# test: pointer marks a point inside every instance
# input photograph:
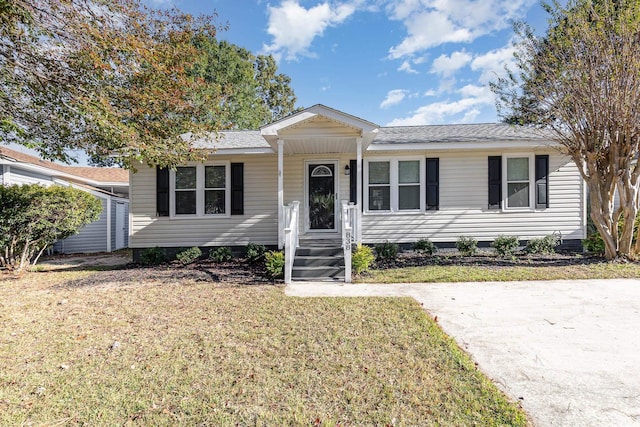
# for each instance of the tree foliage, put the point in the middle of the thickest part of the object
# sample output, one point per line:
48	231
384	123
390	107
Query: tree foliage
582	82
252	91
33	217
104	77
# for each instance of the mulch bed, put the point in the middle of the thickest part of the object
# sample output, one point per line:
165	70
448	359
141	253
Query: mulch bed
488	259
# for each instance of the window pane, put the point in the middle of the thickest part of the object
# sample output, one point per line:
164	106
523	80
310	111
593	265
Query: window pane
378	172
185	178
214	202
214	176
518	195
379	198
185	202
409	197
518	169
409	172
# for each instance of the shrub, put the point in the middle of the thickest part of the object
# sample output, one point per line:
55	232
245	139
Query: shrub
362	258
425	246
386	251
221	254
254	252
274	264
187	256
467	246
505	246
152	256
543	245
33	217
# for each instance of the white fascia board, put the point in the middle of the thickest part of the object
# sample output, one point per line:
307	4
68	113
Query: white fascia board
442	146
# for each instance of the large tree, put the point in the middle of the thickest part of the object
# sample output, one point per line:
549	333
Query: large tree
253	92
581	81
104	76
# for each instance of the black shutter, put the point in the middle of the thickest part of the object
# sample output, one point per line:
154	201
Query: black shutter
433	184
353	181
162	191
495	182
237	188
542	181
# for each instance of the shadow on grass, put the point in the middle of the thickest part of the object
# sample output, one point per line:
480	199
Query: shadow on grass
231	273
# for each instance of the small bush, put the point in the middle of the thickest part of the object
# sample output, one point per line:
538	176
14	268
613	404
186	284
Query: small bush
425	246
189	255
153	256
594	243
361	259
221	254
543	245
467	246
254	252
386	251
274	264
505	246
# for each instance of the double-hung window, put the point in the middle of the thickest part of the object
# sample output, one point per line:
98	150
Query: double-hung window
200	190
394	185
518	182
186	190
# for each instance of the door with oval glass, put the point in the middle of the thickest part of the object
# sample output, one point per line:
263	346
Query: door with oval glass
321	192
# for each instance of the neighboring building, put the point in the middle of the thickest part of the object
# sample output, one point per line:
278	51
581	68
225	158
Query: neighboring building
111	185
408	183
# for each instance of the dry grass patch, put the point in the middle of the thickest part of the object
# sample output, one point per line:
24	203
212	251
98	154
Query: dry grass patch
81	348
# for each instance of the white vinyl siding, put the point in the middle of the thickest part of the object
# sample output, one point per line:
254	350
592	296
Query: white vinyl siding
463	206
91	238
258	224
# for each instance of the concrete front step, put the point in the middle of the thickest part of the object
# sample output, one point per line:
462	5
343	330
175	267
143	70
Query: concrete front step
317	273
319	251
318	261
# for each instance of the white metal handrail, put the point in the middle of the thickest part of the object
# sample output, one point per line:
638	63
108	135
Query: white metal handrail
349	234
291	237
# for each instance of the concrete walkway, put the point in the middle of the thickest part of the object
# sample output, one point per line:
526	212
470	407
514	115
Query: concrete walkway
569	351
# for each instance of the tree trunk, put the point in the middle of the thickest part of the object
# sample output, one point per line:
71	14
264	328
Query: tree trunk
601	204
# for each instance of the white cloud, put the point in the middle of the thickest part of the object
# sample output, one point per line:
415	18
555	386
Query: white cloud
394	97
430	23
406	67
448	65
464	110
294	28
492	64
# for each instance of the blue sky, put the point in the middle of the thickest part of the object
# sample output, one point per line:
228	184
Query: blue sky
392	62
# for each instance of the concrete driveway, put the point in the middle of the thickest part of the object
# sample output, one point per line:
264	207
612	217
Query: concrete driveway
569	351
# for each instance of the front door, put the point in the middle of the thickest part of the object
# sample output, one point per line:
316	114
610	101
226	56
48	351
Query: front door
321	200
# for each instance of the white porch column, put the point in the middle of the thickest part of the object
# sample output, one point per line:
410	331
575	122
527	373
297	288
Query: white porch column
359	189
280	193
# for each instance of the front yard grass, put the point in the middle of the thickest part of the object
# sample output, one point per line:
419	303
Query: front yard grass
85	348
489	268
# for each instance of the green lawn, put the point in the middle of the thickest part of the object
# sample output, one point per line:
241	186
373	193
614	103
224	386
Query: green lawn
517	271
105	348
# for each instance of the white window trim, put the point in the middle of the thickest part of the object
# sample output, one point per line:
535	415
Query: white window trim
200	189
394	185
505	182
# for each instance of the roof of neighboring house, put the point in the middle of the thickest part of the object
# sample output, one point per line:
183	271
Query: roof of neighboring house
457	133
99	175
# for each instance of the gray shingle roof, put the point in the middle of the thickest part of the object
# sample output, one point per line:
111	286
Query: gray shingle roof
241	139
488	132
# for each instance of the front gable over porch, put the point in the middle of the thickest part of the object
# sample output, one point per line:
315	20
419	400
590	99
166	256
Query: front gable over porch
319	129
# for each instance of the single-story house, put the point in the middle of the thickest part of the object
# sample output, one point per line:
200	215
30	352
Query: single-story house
321	175
111	185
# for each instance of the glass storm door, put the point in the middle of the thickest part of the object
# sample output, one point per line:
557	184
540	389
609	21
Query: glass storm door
321	196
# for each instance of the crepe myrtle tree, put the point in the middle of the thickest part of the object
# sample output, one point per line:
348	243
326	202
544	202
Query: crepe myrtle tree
33	217
581	81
